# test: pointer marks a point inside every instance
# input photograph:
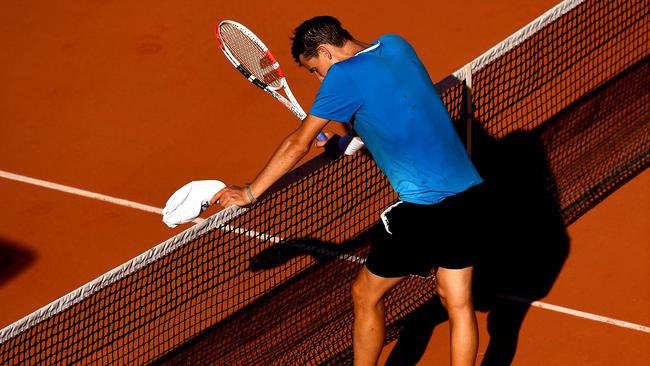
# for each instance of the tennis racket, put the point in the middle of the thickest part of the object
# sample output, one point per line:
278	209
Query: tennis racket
253	59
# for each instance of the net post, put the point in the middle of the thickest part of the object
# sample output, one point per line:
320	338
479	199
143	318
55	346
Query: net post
468	107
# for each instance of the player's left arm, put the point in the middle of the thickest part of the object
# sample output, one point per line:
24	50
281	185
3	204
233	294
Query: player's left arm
292	149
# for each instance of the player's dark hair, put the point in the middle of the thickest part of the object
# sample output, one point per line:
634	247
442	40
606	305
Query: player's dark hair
315	32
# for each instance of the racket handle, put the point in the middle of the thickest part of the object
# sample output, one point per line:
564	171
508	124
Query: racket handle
321	137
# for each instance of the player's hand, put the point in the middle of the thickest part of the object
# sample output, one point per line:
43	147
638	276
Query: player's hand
323	143
331	145
336	145
231	196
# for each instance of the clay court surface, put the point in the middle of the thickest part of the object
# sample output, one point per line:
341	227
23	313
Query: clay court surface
134	99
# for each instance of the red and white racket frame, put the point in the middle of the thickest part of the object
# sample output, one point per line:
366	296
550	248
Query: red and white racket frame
291	103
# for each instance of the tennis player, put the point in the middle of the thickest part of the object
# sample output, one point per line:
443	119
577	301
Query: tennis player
384	91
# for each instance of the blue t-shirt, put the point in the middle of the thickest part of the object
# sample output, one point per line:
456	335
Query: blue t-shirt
386	93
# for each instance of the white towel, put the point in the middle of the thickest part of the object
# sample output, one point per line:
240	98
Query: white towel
189	201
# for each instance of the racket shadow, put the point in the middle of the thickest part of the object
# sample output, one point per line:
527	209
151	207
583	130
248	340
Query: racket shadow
322	251
283	252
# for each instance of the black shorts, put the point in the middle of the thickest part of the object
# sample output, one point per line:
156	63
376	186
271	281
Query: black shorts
420	238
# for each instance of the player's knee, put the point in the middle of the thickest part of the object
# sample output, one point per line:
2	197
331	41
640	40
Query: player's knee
455	290
455	300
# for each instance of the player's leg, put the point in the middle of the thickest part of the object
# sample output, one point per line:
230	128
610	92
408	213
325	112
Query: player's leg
455	291
368	291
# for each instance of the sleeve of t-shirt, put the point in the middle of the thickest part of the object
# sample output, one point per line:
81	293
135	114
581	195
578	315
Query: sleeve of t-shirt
337	98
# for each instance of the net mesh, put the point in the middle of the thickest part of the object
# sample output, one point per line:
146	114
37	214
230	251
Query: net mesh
563	64
270	285
255	59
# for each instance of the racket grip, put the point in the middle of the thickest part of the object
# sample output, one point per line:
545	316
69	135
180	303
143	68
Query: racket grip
321	137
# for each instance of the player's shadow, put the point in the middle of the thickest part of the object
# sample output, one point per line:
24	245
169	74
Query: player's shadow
14	258
524	245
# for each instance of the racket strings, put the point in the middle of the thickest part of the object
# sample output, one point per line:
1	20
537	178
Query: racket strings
250	55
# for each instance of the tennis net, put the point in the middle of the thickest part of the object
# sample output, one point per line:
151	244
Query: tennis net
269	285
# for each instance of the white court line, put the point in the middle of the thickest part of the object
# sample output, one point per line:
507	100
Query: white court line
254	234
80	192
83	193
577	313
